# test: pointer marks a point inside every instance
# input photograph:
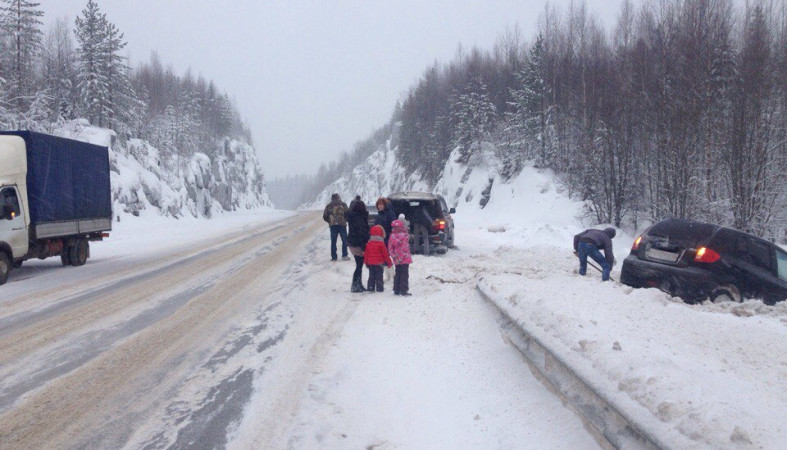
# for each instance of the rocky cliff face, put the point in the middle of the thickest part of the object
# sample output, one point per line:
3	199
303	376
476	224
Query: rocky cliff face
146	182
378	176
461	183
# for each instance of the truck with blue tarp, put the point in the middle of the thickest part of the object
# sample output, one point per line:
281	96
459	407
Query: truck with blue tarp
55	198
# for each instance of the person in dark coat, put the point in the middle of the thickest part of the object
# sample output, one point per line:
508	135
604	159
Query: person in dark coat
385	215
334	215
358	222
589	243
422	224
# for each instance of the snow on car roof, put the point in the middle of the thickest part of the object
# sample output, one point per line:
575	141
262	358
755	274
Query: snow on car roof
413	195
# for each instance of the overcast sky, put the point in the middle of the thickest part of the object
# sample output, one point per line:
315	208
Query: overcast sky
312	77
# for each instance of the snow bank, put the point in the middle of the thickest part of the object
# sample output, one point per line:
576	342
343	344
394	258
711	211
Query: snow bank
696	376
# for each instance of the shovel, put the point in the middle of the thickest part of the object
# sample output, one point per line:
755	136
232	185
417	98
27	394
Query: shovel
590	263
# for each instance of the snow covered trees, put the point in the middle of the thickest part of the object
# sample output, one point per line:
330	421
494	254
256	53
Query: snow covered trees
678	113
76	69
754	157
59	72
473	117
20	24
105	92
530	101
93	86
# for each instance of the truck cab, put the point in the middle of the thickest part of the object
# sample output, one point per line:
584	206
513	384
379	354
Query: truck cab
13	229
13	219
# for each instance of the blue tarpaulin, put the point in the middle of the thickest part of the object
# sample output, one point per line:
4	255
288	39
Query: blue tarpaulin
66	179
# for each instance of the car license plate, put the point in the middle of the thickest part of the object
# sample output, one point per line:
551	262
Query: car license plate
661	255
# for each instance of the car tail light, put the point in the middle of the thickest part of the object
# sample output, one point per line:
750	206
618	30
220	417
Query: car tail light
636	243
439	224
706	255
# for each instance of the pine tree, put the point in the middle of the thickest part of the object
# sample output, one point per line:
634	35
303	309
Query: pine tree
473	117
20	25
59	72
122	101
529	118
91	33
536	97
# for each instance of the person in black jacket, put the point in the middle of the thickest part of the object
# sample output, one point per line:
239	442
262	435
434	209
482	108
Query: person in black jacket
358	220
385	215
589	243
422	224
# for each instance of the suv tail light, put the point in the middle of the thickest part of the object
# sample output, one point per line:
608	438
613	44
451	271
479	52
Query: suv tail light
706	255
636	243
438	224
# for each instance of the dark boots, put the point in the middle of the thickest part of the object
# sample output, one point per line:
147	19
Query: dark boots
357	286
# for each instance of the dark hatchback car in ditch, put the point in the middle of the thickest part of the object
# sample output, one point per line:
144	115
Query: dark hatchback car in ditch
697	261
441	224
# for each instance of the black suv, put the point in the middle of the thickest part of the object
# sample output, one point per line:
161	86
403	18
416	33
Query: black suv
422	207
696	260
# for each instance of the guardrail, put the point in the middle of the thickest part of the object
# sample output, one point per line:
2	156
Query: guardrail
609	426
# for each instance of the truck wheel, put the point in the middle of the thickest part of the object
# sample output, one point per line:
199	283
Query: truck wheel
5	267
77	254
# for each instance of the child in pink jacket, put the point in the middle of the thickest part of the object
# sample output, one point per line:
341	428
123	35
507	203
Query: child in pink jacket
399	249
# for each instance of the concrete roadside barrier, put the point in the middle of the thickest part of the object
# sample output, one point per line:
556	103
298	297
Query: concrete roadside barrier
610	427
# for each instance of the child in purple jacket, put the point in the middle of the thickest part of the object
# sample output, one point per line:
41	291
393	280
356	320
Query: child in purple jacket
399	249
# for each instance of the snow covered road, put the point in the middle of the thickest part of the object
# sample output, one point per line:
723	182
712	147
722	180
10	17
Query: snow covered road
192	336
83	363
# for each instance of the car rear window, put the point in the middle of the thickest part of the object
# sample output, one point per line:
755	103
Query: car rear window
728	241
411	207
684	231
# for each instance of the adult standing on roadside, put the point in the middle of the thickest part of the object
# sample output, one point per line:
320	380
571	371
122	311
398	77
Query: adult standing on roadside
422	224
588	243
334	215
385	215
358	222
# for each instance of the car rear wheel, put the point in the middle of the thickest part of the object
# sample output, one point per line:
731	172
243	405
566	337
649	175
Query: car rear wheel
727	293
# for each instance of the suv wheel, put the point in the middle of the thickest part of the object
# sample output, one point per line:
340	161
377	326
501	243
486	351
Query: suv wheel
726	293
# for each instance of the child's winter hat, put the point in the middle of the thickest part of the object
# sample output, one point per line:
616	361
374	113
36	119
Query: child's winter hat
377	230
397	224
401	216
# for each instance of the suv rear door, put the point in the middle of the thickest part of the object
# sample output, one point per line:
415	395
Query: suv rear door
673	242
